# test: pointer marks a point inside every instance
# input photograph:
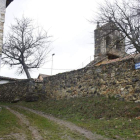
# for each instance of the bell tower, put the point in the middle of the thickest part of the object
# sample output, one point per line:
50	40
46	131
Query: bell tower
109	42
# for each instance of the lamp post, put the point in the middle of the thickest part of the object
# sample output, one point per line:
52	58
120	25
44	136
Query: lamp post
52	63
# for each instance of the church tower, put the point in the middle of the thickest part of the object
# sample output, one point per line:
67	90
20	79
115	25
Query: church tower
109	42
3	5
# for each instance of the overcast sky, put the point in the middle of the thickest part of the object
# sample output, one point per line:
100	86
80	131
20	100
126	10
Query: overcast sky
67	22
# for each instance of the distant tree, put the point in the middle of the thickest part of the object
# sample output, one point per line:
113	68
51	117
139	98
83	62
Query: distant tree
25	46
125	14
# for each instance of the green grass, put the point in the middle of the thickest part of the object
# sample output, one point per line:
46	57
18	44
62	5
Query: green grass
10	125
8	122
111	128
107	117
48	129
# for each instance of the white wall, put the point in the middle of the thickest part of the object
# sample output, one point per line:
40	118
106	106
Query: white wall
2	19
4	82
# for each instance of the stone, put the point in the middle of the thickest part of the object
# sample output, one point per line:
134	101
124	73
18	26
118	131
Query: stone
98	70
137	90
79	86
31	98
69	91
112	74
17	99
137	101
118	96
122	89
93	90
135	79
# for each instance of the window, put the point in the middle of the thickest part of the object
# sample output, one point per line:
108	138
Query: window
108	41
118	45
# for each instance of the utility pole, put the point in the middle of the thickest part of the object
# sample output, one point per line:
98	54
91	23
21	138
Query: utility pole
52	63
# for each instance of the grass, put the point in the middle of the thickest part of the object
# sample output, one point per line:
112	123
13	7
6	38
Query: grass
108	117
10	124
48	129
112	128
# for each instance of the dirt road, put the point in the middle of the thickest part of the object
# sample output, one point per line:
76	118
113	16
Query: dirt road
71	126
35	131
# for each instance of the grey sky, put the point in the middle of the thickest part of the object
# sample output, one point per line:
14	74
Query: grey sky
67	22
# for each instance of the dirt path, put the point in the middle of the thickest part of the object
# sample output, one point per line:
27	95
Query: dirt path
24	120
16	136
71	126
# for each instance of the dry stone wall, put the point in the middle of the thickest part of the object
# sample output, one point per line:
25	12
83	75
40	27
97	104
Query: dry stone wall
27	90
119	80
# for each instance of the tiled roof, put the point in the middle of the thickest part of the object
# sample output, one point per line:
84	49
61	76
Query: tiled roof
104	61
38	81
43	75
123	58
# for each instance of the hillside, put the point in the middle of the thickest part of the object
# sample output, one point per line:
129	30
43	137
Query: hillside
107	117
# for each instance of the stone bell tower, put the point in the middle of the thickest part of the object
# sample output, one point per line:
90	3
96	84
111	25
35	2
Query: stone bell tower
109	42
3	5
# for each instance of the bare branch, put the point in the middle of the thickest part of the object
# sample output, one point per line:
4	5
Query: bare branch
26	46
126	17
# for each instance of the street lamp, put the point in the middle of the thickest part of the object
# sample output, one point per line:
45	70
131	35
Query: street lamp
52	63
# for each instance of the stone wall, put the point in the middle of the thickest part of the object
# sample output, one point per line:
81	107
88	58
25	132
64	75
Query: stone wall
119	80
27	90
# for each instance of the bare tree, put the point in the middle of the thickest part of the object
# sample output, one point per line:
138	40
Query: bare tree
25	46
125	15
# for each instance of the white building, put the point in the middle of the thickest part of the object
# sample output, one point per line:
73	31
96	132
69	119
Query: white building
5	80
3	5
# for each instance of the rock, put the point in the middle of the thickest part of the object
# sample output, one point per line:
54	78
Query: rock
92	91
98	70
138	118
79	86
122	89
31	98
17	99
137	90
137	101
69	91
135	79
117	96
112	74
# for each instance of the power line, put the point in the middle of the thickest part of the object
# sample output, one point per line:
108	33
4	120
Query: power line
57	69
86	61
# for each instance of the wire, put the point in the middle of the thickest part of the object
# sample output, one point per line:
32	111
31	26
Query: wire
86	61
71	69
57	69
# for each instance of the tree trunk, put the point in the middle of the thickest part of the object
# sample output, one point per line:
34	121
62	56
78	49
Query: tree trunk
27	72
